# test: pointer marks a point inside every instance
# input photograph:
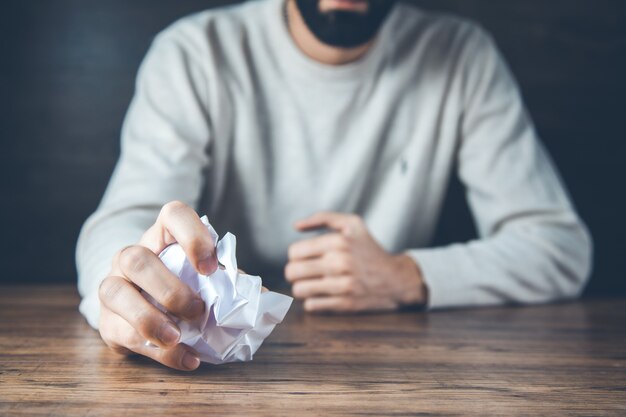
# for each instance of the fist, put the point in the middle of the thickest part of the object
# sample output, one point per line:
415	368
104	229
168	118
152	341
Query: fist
346	270
127	319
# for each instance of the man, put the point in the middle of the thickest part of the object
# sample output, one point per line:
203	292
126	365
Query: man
342	115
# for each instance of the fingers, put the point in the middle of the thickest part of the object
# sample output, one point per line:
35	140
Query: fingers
347	224
123	338
317	246
305	269
181	356
116	332
145	269
122	298
178	222
331	264
332	286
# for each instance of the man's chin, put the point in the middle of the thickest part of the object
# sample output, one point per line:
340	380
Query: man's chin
342	28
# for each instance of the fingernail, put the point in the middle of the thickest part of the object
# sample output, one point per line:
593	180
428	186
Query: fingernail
195	308
168	334
207	265
190	361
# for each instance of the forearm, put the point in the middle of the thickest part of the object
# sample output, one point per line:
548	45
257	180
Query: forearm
530	262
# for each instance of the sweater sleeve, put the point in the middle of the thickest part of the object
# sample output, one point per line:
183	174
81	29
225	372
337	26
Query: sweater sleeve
163	154
532	246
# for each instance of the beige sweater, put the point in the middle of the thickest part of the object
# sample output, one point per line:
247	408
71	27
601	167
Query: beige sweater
232	118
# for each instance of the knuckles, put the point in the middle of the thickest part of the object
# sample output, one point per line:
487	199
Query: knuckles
341	242
174	297
338	262
128	342
173	208
349	286
142	322
110	288
355	226
106	338
133	259
107	333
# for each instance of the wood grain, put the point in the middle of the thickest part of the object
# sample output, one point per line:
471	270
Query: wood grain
567	359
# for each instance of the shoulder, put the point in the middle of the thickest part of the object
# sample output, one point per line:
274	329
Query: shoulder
443	38
220	25
413	21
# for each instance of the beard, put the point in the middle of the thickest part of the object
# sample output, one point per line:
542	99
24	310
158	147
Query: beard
342	28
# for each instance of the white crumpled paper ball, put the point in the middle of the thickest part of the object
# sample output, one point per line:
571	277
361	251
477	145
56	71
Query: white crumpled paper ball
238	316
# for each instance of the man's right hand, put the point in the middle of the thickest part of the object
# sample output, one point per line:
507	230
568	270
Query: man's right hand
127	319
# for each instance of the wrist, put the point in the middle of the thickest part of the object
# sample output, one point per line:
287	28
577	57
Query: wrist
412	290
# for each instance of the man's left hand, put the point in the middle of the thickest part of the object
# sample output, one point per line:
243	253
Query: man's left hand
346	270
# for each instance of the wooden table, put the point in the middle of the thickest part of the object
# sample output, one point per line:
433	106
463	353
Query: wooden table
567	359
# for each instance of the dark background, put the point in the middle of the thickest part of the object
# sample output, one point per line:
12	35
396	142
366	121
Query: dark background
67	70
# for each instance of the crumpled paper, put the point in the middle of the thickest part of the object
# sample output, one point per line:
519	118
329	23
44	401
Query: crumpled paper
238	315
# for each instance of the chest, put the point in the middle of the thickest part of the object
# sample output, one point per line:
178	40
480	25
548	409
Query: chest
296	148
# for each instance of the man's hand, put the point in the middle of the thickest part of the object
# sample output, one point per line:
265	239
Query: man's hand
127	319
347	270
